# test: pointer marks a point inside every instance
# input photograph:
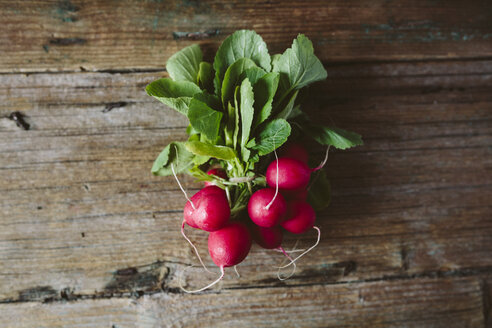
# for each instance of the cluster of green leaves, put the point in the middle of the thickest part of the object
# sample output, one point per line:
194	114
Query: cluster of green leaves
239	107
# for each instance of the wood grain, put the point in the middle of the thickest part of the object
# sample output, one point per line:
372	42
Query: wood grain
446	302
65	35
83	217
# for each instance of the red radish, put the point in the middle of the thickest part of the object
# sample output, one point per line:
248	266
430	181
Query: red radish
217	172
300	218
271	238
266	208
294	150
295	195
292	174
190	220
208	209
268	238
230	245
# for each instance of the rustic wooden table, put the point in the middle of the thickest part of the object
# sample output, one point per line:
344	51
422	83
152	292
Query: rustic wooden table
88	238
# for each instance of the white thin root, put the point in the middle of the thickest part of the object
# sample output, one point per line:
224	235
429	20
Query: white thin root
192	245
206	287
307	251
276	182
319	167
294	266
181	187
237	273
289	252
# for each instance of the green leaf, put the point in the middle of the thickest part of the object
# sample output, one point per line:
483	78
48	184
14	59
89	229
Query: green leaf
251	143
296	111
272	136
247	114
175	94
299	64
230	126
236	115
240	44
319	191
255	159
275	59
205	149
287	111
253	74
175	155
191	131
199	160
204	119
185	64
210	100
206	76
232	77
264	91
335	137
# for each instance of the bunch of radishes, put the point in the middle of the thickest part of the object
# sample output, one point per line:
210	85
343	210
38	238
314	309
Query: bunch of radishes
281	204
241	109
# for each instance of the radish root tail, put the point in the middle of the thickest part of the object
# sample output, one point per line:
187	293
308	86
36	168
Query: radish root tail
294	266
237	273
319	167
192	245
307	251
276	181
181	187
204	288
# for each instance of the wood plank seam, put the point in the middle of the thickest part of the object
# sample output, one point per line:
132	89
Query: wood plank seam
160	285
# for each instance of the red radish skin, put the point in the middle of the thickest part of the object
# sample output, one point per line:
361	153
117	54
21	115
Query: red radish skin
217	172
300	218
230	245
210	210
260	213
295	195
188	219
294	150
268	238
292	174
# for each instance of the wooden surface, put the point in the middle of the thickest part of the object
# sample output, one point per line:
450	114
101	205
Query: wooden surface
88	238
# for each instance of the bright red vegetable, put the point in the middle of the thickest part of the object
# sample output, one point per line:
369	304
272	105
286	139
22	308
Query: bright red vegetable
230	245
263	211
300	217
294	150
292	174
268	238
208	209
217	172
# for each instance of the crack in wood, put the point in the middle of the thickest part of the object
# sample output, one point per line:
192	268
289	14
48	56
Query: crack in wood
19	119
195	35
405	262
135	282
112	105
67	41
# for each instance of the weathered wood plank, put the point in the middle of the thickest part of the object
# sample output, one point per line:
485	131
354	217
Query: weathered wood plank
445	302
99	35
81	214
